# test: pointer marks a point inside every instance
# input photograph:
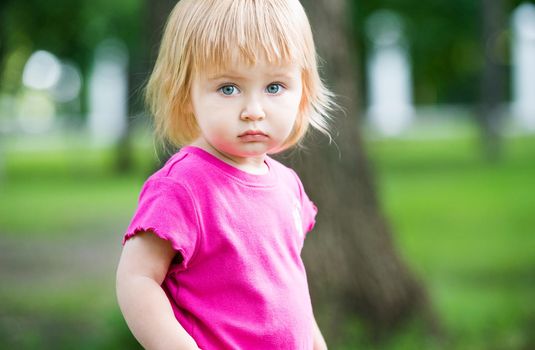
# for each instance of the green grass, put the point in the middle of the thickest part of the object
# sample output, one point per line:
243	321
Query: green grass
51	200
464	225
55	193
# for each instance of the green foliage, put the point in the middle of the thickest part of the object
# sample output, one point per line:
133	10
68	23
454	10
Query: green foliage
69	29
445	44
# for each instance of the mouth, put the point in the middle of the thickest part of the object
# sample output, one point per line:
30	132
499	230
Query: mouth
253	136
253	133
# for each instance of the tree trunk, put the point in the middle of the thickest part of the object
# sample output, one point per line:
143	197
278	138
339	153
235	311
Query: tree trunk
492	81
154	16
351	260
157	14
3	52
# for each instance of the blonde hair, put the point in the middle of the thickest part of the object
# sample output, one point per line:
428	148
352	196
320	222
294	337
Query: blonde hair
208	33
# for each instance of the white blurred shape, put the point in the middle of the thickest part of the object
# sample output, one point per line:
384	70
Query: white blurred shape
42	71
523	57
69	84
36	112
388	73
108	86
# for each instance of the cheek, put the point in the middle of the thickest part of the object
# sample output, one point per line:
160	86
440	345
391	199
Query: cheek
291	106
204	112
286	115
213	125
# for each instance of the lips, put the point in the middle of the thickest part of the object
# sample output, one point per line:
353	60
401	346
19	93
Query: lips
253	136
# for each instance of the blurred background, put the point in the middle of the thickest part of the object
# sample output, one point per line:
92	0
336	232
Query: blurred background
446	111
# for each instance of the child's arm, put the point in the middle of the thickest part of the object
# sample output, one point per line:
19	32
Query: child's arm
142	268
319	342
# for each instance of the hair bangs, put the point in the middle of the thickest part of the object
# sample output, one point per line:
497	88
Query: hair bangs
245	32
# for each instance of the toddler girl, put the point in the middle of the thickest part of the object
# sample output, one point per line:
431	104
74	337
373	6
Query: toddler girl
211	258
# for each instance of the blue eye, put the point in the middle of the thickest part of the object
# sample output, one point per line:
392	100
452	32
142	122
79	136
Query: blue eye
228	90
274	88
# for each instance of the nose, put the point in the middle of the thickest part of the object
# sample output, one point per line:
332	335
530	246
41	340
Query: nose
252	111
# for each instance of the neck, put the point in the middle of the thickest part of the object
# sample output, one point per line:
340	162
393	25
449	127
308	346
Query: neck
253	165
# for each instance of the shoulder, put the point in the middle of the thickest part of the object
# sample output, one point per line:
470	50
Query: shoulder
172	183
286	174
182	168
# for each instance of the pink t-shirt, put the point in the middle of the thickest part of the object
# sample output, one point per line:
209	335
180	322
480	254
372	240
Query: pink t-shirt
241	283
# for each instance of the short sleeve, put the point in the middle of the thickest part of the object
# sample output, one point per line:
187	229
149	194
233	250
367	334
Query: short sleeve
308	208
166	209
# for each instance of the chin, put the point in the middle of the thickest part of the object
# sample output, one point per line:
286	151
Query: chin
253	153
260	149
251	149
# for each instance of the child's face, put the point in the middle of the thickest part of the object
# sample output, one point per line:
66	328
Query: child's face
247	111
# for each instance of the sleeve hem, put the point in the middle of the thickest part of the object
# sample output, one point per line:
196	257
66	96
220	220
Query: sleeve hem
159	234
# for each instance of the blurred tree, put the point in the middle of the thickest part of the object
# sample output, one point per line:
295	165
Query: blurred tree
156	18
3	35
492	89
122	19
352	261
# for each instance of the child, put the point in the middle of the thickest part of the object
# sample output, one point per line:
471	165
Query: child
211	259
